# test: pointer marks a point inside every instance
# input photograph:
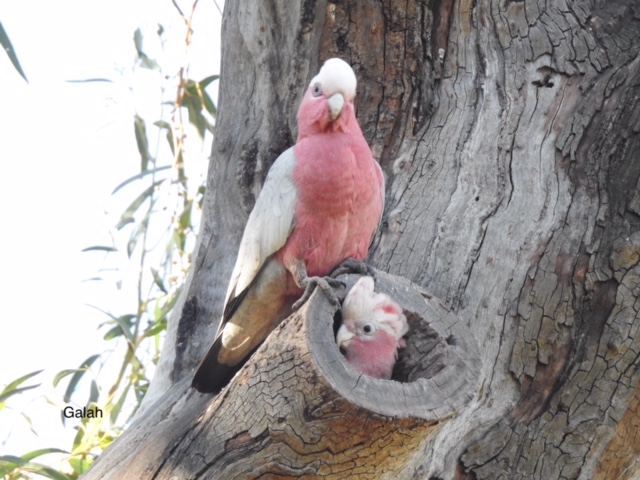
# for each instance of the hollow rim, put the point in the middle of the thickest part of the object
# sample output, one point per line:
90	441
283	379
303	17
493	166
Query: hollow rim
434	398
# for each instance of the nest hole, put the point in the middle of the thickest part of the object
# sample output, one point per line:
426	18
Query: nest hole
421	356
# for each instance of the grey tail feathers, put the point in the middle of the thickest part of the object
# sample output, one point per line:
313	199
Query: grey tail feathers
212	376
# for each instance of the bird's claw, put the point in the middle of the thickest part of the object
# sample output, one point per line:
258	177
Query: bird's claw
351	265
326	284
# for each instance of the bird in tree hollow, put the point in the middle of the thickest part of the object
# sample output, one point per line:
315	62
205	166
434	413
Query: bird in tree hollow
320	206
372	329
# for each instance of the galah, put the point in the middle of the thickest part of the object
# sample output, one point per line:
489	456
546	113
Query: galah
372	329
320	205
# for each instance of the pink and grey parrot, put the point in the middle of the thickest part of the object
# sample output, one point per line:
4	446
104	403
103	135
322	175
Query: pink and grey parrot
372	329
320	205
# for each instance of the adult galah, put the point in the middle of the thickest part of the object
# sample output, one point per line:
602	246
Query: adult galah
372	329
320	205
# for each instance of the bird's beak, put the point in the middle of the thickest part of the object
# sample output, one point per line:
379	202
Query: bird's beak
336	103
344	336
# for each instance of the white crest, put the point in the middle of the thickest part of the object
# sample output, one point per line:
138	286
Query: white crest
336	76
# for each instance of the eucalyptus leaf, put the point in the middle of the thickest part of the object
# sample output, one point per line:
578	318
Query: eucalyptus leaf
135	237
112	333
8	48
8	464
44	470
207	80
137	42
125	322
142	141
94	393
209	105
14	388
162	124
102	248
140	175
19	381
80	465
76	377
5	396
28	421
38	453
157	328
127	215
115	412
157	279
91	80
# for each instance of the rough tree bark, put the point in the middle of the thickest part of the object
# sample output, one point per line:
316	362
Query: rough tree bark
297	409
509	133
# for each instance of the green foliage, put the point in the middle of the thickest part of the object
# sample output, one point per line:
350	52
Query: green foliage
14	467
197	101
14	388
153	236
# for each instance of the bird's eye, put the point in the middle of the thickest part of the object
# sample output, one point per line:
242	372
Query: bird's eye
316	91
367	328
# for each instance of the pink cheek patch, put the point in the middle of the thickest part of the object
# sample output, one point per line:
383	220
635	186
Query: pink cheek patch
388	308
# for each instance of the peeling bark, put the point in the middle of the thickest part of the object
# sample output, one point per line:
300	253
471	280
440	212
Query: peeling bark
509	133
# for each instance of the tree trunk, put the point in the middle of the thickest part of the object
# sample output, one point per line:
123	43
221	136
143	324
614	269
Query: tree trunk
509	133
297	409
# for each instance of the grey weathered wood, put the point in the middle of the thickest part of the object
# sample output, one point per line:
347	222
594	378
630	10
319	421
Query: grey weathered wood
297	408
509	133
438	371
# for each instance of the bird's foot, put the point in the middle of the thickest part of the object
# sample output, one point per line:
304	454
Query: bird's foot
351	265
326	284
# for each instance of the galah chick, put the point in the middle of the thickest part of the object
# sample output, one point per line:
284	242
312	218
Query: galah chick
321	204
372	329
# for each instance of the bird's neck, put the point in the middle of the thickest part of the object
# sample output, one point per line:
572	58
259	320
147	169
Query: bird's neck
346	123
375	357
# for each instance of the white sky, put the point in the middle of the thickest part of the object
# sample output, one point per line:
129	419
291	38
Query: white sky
63	148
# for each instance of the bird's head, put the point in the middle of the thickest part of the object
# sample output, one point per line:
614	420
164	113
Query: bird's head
328	102
371	318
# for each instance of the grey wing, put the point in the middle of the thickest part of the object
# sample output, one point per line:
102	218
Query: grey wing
269	224
382	194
